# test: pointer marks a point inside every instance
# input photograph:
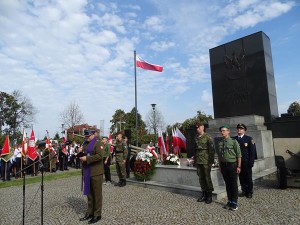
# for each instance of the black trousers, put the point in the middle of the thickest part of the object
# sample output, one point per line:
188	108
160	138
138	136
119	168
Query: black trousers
246	178
229	173
107	174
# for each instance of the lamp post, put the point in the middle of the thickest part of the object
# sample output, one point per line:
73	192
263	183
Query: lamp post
154	123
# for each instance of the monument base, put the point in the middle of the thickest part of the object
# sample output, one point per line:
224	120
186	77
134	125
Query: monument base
184	180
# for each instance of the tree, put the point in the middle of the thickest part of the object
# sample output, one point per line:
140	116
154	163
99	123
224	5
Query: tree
294	108
117	120
71	115
122	120
155	120
18	113
200	117
5	105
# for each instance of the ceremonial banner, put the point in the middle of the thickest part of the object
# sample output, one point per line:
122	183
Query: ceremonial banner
31	151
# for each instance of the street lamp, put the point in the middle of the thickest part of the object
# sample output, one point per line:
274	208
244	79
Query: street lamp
154	123
120	122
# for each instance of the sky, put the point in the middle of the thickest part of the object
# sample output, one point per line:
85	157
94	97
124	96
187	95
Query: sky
58	52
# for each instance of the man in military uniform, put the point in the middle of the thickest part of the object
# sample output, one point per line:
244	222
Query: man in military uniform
45	157
128	157
229	154
92	176
204	160
107	160
121	155
247	147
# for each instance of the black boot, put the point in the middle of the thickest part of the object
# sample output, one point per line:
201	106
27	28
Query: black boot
209	197
123	183
119	183
203	197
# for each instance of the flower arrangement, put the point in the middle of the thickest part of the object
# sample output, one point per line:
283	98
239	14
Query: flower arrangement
144	166
171	159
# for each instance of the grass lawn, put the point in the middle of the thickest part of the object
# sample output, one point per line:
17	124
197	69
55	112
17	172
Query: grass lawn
47	177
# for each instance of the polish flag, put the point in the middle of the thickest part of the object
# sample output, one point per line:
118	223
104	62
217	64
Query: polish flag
147	66
110	141
161	143
167	142
24	144
32	154
6	147
175	146
181	139
49	144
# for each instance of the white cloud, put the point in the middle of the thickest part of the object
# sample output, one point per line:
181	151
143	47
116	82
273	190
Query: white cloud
207	98
161	45
154	23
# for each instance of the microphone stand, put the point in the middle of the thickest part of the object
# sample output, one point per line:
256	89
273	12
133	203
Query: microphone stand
42	191
42	186
23	215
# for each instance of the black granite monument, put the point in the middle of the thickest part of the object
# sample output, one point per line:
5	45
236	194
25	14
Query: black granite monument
243	78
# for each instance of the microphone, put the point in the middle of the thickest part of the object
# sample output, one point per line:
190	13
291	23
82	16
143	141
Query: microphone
41	165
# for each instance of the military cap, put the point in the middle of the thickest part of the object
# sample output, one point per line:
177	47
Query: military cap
224	126
104	137
242	126
88	133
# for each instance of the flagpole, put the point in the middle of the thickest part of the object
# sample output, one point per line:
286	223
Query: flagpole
136	118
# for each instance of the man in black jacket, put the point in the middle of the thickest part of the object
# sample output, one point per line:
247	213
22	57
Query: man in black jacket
247	146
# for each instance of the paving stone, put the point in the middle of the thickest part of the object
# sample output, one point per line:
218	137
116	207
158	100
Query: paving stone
65	204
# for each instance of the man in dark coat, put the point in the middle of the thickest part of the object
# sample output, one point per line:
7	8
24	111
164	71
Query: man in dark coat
247	147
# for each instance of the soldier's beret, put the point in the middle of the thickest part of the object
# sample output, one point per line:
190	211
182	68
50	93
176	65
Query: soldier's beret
224	126
104	137
241	126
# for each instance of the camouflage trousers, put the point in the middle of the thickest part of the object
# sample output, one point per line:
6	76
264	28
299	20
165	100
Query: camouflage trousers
203	171
120	166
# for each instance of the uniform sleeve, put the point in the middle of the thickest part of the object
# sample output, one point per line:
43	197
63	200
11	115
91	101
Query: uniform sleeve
237	149
211	151
125	151
252	150
97	154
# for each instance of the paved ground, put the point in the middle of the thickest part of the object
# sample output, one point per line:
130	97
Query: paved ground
64	204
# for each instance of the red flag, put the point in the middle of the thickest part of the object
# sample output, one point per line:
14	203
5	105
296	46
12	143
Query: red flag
181	139
6	147
32	154
147	66
161	143
175	141
24	144
167	142
110	141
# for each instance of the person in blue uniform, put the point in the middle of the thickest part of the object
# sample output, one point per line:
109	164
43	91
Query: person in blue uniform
247	147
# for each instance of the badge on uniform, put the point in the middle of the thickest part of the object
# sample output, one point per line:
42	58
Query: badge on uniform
246	144
101	147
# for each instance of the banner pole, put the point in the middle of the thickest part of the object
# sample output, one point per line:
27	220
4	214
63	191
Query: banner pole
135	86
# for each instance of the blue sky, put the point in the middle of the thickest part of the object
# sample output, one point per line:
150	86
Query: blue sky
57	52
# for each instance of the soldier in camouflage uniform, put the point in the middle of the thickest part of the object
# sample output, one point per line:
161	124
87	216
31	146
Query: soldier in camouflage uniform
121	153
204	159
